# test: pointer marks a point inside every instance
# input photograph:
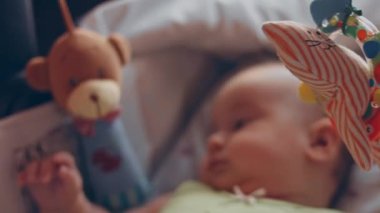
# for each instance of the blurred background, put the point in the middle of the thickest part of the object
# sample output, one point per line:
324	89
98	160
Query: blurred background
29	28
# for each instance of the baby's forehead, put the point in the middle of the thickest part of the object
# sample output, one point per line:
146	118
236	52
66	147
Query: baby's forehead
269	79
270	85
271	71
251	91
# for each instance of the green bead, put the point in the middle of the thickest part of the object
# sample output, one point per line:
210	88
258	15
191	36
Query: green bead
351	31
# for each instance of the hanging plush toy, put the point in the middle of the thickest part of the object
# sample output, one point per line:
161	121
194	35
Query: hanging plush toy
334	76
84	73
347	19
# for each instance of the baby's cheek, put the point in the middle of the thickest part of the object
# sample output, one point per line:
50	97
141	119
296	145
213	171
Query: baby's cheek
203	172
253	158
250	150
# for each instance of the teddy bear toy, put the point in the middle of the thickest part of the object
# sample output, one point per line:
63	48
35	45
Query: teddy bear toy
83	71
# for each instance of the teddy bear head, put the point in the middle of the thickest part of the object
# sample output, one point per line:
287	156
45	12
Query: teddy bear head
83	71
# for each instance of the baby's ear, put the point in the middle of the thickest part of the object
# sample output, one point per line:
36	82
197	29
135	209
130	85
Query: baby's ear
324	144
37	74
121	46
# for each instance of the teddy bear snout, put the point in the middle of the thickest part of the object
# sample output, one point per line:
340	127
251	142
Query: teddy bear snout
94	99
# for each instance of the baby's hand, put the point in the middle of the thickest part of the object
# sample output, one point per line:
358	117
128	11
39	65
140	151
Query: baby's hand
54	183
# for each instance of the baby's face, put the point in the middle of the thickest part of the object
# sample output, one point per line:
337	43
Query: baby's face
256	140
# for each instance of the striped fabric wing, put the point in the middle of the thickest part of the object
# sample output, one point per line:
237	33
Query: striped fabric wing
337	75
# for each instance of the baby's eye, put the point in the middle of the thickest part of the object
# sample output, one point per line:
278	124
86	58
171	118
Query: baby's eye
238	124
101	73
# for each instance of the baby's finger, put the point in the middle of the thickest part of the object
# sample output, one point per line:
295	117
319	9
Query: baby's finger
46	171
21	179
69	177
63	158
32	171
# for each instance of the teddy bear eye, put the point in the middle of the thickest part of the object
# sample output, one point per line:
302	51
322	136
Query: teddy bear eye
101	73
73	82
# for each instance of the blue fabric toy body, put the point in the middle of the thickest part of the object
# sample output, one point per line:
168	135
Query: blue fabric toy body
113	176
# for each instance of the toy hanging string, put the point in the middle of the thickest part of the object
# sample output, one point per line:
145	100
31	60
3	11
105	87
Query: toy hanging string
67	16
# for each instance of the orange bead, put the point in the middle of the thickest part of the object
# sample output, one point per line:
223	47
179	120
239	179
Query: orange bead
362	34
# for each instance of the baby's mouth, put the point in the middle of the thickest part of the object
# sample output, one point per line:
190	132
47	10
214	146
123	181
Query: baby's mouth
217	165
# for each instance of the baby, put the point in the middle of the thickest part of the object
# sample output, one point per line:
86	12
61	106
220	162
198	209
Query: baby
265	146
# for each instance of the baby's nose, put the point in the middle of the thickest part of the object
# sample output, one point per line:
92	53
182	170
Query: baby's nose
215	143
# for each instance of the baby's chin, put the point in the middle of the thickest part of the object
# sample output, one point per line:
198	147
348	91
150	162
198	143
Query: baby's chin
219	179
219	183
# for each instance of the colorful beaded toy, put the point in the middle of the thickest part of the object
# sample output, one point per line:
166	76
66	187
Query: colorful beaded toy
334	76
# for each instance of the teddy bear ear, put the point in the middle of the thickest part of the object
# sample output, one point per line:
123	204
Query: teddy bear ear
121	46
37	74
